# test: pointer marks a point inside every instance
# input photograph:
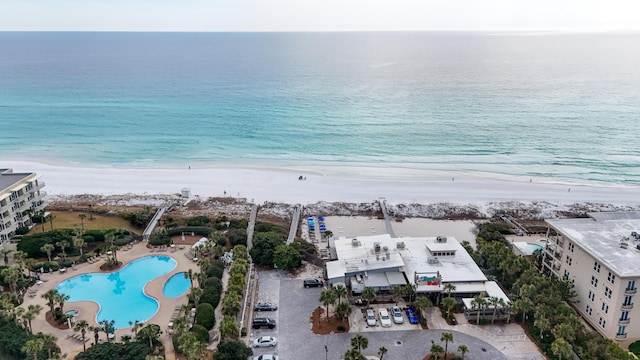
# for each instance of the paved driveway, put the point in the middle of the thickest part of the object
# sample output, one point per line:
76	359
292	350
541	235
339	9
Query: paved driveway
296	341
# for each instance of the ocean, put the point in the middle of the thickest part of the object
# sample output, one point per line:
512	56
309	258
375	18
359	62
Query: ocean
552	106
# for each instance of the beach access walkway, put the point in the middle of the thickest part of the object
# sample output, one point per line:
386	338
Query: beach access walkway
154	221
251	226
387	220
293	230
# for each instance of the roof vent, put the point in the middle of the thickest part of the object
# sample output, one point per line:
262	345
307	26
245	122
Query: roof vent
400	244
624	243
355	242
376	246
432	260
441	239
385	248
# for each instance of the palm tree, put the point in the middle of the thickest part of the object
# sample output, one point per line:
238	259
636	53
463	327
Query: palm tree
369	294
51	296
151	332
107	327
524	305
189	275
478	303
410	291
33	346
194	295
90	206
61	299
30	314
49	343
463	349
565	331
353	354
228	328
436	350
96	331
63	245
343	310
446	337
78	243
448	303
542	323
5	253
397	292
48	248
381	352
82	326
82	216
494	302
449	288
421	303
135	326
327	297
42	218
561	348
12	276
359	343
340	290
19	257
50	218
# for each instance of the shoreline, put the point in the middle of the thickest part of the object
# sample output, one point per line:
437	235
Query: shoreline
281	184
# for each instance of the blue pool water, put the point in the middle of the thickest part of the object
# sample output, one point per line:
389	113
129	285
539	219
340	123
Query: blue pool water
176	286
535	247
120	294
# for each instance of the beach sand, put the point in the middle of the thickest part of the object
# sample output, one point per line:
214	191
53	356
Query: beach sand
282	185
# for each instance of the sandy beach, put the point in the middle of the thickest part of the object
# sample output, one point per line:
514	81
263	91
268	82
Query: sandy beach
283	185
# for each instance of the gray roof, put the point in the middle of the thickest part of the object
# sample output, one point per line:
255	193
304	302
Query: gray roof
601	236
7	180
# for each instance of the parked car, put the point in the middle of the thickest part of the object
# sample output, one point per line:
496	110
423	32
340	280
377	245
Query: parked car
371	318
266	357
313	283
265	341
385	319
266	306
396	314
263	322
412	315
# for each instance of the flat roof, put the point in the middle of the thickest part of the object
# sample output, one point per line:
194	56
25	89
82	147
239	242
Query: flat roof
410	253
601	235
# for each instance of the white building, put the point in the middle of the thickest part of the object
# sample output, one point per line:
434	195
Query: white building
601	254
19	192
429	263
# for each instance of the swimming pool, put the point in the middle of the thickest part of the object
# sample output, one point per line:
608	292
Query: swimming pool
120	294
535	246
176	286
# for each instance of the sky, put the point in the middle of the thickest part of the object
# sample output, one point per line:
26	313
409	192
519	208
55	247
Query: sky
319	15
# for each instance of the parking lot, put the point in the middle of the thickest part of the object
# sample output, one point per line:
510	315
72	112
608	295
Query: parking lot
296	341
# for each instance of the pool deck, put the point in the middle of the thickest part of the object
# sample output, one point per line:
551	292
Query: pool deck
88	310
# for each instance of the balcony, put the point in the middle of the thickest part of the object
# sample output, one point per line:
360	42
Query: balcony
630	291
624	322
621	336
627	306
558	255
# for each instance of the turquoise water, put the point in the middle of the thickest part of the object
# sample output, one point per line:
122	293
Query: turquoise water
120	294
535	247
561	106
176	286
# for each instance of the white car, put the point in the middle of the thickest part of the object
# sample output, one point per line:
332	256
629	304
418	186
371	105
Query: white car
396	314
371	318
265	341
385	319
266	357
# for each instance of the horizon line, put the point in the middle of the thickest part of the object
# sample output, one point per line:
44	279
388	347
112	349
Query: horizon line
502	31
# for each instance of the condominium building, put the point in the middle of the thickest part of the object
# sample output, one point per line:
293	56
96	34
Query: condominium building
601	254
20	195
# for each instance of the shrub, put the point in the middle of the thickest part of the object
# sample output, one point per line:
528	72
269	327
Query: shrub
215	269
159	240
98	235
211	296
197	230
243	332
238	237
205	316
139	218
198	220
635	347
238	223
23	230
66	264
200	332
341	328
123	240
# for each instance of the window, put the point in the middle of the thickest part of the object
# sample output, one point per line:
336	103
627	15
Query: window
602	322
607	292
622	330
570	246
624	315
596	267
594	281
566	273
605	308
589	308
611	278
627	300
591	295
631	285
568	260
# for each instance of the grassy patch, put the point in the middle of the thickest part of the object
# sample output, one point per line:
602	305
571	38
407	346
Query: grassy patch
71	219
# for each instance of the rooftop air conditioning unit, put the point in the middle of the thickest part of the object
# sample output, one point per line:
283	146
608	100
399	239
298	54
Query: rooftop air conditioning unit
400	245
354	242
385	248
441	239
376	246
